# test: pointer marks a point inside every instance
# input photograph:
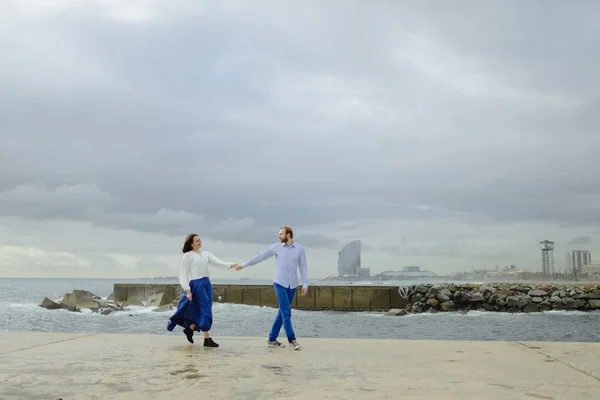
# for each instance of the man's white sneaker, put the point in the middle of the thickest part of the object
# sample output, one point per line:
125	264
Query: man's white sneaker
294	345
274	343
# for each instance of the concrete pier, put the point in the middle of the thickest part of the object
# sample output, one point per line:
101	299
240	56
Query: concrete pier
35	365
354	298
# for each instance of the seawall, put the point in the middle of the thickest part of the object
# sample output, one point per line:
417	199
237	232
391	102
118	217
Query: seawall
353	298
499	297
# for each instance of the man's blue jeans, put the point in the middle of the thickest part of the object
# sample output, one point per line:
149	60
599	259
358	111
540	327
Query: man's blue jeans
285	297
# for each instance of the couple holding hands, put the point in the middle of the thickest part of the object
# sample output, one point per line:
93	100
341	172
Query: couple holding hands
194	311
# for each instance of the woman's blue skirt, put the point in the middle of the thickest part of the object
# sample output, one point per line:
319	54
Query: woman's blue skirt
197	311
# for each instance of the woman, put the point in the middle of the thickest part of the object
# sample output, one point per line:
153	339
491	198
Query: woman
194	311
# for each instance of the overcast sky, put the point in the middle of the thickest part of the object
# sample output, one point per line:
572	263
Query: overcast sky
449	135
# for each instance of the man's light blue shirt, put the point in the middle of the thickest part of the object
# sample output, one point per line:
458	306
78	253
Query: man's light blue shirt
288	259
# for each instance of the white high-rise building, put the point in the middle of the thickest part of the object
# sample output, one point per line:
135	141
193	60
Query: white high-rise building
349	261
576	259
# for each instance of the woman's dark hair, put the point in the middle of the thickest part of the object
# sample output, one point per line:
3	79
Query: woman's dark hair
187	245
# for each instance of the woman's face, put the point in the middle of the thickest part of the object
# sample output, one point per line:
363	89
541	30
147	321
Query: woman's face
196	243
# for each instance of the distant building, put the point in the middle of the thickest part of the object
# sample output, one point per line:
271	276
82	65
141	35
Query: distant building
410	272
507	273
576	259
349	262
590	271
412	268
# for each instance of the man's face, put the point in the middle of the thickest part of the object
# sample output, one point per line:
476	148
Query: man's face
282	236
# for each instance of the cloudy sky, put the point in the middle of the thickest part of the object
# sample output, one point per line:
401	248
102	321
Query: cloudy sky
443	135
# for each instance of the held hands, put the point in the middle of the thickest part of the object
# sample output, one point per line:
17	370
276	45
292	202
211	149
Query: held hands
237	267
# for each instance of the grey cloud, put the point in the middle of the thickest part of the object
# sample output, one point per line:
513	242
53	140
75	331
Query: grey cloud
38	201
453	249
213	114
529	53
247	230
580	240
88	203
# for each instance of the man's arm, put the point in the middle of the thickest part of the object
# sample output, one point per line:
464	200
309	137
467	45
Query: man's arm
260	257
303	269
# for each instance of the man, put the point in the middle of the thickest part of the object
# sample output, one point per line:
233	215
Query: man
289	256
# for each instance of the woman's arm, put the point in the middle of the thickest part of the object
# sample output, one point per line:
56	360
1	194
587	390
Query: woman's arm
215	262
185	272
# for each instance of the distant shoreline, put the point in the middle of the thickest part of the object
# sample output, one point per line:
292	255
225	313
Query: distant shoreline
337	282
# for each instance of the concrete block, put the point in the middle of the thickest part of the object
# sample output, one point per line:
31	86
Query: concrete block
120	292
169	292
380	299
68	302
252	296
218	292
159	299
234	294
361	298
323	297
395	300
318	297
177	293
306	302
295	302
50	304
138	292
268	297
342	297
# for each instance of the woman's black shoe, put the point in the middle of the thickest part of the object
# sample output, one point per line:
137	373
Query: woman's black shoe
189	333
210	343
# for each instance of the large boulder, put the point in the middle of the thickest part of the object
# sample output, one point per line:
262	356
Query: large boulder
512	301
594	304
477	297
432	302
523	301
444	297
537	293
395	312
569	302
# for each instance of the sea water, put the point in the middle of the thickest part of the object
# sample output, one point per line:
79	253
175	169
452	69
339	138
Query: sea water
20	311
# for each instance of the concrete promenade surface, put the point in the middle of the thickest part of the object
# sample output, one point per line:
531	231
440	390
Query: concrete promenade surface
36	365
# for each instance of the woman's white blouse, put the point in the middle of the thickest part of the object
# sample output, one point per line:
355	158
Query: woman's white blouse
195	266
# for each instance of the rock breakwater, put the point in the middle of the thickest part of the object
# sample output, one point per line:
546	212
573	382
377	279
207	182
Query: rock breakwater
499	297
79	300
